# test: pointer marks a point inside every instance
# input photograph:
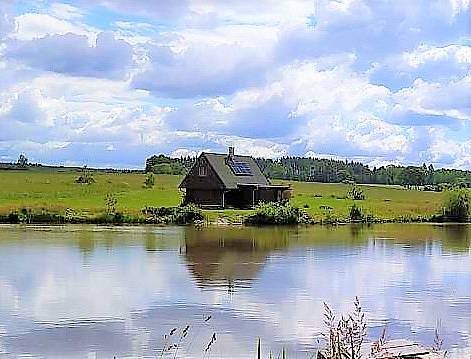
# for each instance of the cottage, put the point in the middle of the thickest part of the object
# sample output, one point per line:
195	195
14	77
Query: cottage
229	180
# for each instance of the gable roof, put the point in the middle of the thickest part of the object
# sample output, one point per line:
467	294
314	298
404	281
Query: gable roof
229	179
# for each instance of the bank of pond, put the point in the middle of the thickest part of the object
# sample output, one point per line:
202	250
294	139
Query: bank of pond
456	208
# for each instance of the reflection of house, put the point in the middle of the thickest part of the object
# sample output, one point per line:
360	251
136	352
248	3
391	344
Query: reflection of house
220	261
229	180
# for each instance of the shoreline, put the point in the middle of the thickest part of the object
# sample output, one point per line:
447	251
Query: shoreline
219	223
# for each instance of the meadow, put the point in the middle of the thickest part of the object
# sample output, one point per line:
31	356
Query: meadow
56	191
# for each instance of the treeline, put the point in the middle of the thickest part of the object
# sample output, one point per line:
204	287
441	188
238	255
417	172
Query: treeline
161	164
330	171
334	171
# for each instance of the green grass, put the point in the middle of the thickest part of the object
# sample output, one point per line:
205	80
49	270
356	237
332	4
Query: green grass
56	191
383	202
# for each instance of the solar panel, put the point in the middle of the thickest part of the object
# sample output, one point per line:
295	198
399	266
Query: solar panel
241	168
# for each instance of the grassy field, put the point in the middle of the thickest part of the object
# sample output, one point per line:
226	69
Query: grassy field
56	191
384	202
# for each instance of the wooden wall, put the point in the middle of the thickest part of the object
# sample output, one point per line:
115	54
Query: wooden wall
194	181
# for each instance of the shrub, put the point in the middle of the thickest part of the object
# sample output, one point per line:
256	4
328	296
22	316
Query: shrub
457	206
86	177
186	214
189	213
149	181
110	202
356	194
356	213
277	213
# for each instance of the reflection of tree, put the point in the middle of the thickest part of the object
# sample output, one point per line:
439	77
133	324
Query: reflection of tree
357	231
86	242
456	237
150	242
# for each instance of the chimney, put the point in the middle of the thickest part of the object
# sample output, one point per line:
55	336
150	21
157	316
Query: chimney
231	153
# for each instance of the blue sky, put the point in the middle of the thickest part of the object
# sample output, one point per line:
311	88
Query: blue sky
109	82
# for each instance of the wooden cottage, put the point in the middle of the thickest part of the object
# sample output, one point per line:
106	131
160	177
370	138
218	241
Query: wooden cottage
229	180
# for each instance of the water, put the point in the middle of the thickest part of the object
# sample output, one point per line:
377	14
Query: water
99	292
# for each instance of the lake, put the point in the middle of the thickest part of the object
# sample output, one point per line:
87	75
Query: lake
99	292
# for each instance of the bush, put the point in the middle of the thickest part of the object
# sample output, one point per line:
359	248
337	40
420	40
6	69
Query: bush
149	181
110	202
356	194
186	214
457	206
278	213
86	177
356	213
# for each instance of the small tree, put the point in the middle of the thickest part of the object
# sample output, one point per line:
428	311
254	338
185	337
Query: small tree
22	161
356	213
457	206
110	202
150	180
86	177
356	194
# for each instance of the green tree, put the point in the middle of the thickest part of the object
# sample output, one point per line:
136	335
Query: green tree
86	177
22	161
110	202
356	193
457	206
149	181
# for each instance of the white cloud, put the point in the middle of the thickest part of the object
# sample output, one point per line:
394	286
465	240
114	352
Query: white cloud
72	54
449	99
66	11
195	63
32	26
276	77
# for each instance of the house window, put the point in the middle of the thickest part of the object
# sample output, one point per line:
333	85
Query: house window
202	171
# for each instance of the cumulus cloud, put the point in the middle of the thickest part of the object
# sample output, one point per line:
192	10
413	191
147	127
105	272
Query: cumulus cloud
447	100
72	54
381	81
201	64
30	26
6	24
374	30
431	63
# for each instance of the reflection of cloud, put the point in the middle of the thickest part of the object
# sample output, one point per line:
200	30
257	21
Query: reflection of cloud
118	290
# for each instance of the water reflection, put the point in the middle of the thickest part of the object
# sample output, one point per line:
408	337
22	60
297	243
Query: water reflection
72	291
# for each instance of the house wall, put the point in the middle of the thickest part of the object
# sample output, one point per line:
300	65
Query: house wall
208	182
204	197
266	195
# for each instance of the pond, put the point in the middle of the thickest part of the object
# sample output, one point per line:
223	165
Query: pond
88	291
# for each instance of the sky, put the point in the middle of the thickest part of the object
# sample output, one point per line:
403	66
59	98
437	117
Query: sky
110	82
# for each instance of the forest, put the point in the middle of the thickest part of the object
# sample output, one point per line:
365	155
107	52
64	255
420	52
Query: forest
331	171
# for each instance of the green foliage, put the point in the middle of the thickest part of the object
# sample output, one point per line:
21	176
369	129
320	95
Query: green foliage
186	214
335	171
356	213
86	177
413	176
149	182
356	193
110	203
457	206
162	164
277	213
22	161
